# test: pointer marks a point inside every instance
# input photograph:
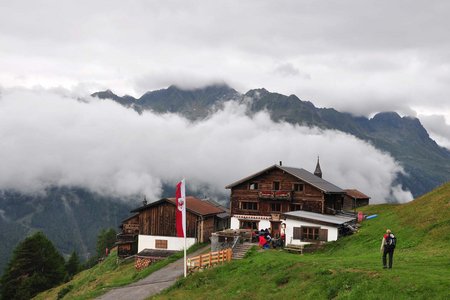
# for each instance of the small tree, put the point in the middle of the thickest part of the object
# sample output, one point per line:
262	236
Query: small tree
105	239
35	266
73	264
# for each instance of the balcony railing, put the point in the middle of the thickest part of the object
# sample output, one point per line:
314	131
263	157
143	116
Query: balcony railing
279	194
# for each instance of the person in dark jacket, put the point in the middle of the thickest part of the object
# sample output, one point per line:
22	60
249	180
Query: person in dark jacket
387	248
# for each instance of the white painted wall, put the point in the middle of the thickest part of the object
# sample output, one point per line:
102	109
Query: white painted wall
234	223
290	224
263	224
173	243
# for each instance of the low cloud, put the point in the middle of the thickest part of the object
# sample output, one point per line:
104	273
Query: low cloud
48	138
289	70
438	129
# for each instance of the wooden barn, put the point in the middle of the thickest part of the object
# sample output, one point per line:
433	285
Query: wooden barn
156	226
354	199
128	236
259	200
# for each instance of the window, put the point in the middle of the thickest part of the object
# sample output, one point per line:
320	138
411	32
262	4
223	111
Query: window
310	233
275	206
253	186
249	205
249	225
298	187
295	207
161	244
276	185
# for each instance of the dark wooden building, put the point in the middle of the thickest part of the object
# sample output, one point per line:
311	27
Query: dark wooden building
158	218
128	237
154	226
354	199
257	201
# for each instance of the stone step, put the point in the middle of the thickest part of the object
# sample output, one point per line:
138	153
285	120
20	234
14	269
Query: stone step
240	250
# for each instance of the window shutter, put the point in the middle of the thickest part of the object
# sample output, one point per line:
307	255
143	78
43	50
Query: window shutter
297	233
323	235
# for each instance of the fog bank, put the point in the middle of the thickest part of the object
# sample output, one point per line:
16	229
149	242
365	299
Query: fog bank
49	138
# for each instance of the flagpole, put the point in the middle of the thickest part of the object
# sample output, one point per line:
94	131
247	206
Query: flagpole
185	262
180	196
185	227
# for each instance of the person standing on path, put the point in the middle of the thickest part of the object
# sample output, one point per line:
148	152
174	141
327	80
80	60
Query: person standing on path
387	248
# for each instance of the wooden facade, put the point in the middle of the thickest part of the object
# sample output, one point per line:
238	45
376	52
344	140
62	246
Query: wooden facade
277	189
158	219
354	199
127	238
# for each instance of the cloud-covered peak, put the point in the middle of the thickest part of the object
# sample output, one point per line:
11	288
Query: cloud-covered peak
49	140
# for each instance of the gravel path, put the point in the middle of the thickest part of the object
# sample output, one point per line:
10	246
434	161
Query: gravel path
152	284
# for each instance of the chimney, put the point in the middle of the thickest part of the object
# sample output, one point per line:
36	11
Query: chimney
145	201
281	163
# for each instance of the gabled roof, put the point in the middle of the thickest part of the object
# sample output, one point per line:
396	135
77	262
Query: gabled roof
194	205
301	174
315	217
354	193
130	217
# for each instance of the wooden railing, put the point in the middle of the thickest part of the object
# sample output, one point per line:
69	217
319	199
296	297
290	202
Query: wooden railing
208	260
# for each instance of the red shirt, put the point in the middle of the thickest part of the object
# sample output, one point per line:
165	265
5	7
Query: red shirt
262	240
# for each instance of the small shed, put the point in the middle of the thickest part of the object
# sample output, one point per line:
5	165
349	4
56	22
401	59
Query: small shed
304	227
354	199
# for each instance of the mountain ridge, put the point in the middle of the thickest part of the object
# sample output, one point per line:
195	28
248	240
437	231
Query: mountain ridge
427	165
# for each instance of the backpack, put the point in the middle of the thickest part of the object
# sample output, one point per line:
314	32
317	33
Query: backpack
391	241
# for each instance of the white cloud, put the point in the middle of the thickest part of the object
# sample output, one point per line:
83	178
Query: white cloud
50	138
359	56
438	128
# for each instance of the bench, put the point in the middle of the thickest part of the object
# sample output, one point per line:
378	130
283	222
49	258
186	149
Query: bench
294	248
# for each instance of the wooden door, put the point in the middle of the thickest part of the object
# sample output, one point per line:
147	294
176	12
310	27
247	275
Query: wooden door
275	228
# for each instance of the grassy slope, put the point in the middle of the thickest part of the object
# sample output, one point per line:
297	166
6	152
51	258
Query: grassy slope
349	268
107	275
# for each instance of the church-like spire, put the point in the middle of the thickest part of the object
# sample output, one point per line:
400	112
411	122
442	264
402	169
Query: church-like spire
318	171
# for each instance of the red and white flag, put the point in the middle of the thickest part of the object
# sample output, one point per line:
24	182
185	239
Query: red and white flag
180	197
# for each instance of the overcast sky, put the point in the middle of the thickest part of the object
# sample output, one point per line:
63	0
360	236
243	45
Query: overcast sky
357	56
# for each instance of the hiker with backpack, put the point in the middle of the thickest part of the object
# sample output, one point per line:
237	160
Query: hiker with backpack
387	247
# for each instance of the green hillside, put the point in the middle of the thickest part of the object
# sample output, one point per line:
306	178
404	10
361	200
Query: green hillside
105	276
348	269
